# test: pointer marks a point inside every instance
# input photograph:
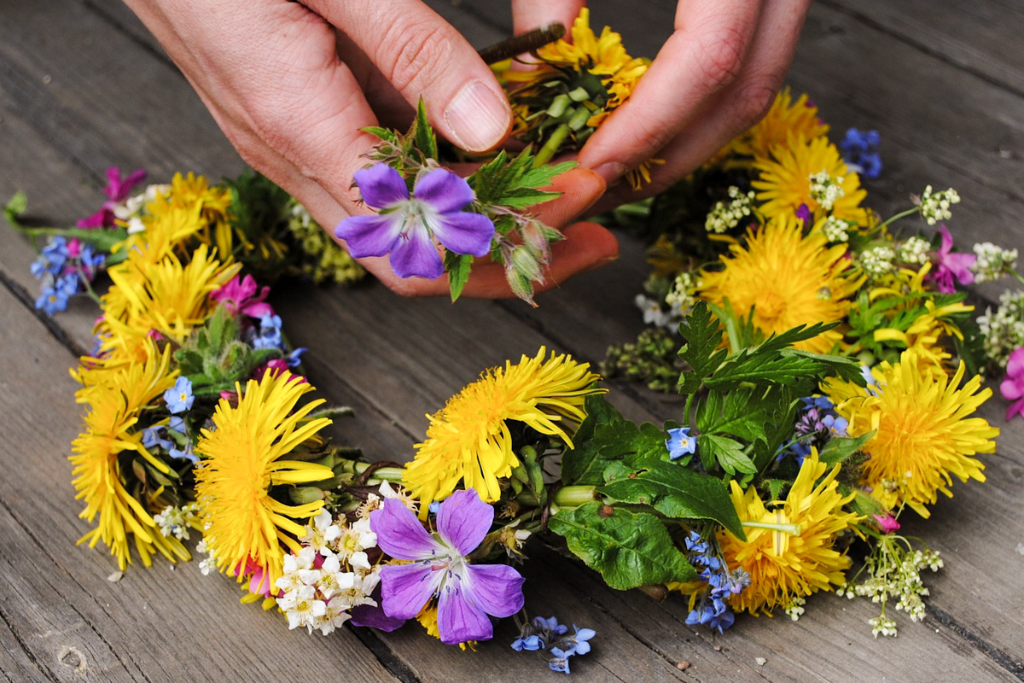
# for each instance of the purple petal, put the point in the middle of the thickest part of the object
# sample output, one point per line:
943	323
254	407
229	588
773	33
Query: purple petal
370	235
459	620
495	588
406	588
464	520
1011	389
374	616
444	191
947	240
465	233
415	255
381	186
400	534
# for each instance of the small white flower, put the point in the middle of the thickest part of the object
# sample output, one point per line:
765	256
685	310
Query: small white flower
825	189
835	230
935	207
914	250
724	217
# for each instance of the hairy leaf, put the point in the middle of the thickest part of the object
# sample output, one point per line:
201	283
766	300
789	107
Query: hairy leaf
628	549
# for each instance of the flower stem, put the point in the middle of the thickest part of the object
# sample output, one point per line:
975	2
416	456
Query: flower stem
565	497
791	529
902	214
551	146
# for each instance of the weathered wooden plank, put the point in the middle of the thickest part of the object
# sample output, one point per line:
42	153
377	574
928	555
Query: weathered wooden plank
154	625
980	37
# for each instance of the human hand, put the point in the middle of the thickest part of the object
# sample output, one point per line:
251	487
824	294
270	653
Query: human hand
716	75
292	84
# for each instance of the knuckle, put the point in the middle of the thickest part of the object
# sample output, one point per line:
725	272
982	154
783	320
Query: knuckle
756	97
721	54
423	49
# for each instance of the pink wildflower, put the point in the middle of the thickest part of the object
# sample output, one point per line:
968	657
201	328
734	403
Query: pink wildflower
239	295
886	523
1012	387
117	191
951	266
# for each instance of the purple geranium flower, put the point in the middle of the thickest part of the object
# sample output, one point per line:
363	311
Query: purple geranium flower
1012	386
405	227
466	593
952	266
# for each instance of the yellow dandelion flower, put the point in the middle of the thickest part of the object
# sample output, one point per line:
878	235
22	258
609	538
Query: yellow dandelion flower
469	439
245	454
929	332
785	180
165	233
785	121
193	192
785	566
788	279
924	430
574	87
167	298
114	405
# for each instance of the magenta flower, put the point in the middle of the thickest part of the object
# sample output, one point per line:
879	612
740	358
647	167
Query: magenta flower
117	191
239	296
951	266
466	593
406	227
1012	386
886	523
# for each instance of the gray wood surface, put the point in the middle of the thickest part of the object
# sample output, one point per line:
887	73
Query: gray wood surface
83	87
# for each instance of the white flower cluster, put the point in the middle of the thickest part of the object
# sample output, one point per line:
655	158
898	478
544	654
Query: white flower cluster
894	573
825	189
795	609
992	262
207	565
877	260
835	230
332	573
914	250
1003	330
134	207
724	216
935	207
682	296
175	521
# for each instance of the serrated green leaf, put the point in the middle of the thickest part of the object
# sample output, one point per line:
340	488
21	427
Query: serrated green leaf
775	487
599	411
839	448
628	549
384	134
425	139
458	267
742	412
727	452
622	441
189	362
677	492
703	336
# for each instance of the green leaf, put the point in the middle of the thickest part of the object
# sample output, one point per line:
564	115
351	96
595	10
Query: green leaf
703	337
775	487
677	492
621	441
628	549
728	452
384	134
458	267
599	411
14	207
840	448
426	142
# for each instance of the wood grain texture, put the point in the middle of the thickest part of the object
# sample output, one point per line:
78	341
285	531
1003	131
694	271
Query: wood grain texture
111	97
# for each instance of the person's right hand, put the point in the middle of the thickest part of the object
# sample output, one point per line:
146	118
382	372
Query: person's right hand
292	84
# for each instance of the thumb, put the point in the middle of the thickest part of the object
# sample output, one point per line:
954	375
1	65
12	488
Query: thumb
422	56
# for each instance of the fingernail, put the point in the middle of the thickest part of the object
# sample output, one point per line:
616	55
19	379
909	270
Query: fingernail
478	117
611	172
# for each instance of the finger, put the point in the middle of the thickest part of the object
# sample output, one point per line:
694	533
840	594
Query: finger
421	55
530	14
738	107
704	54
